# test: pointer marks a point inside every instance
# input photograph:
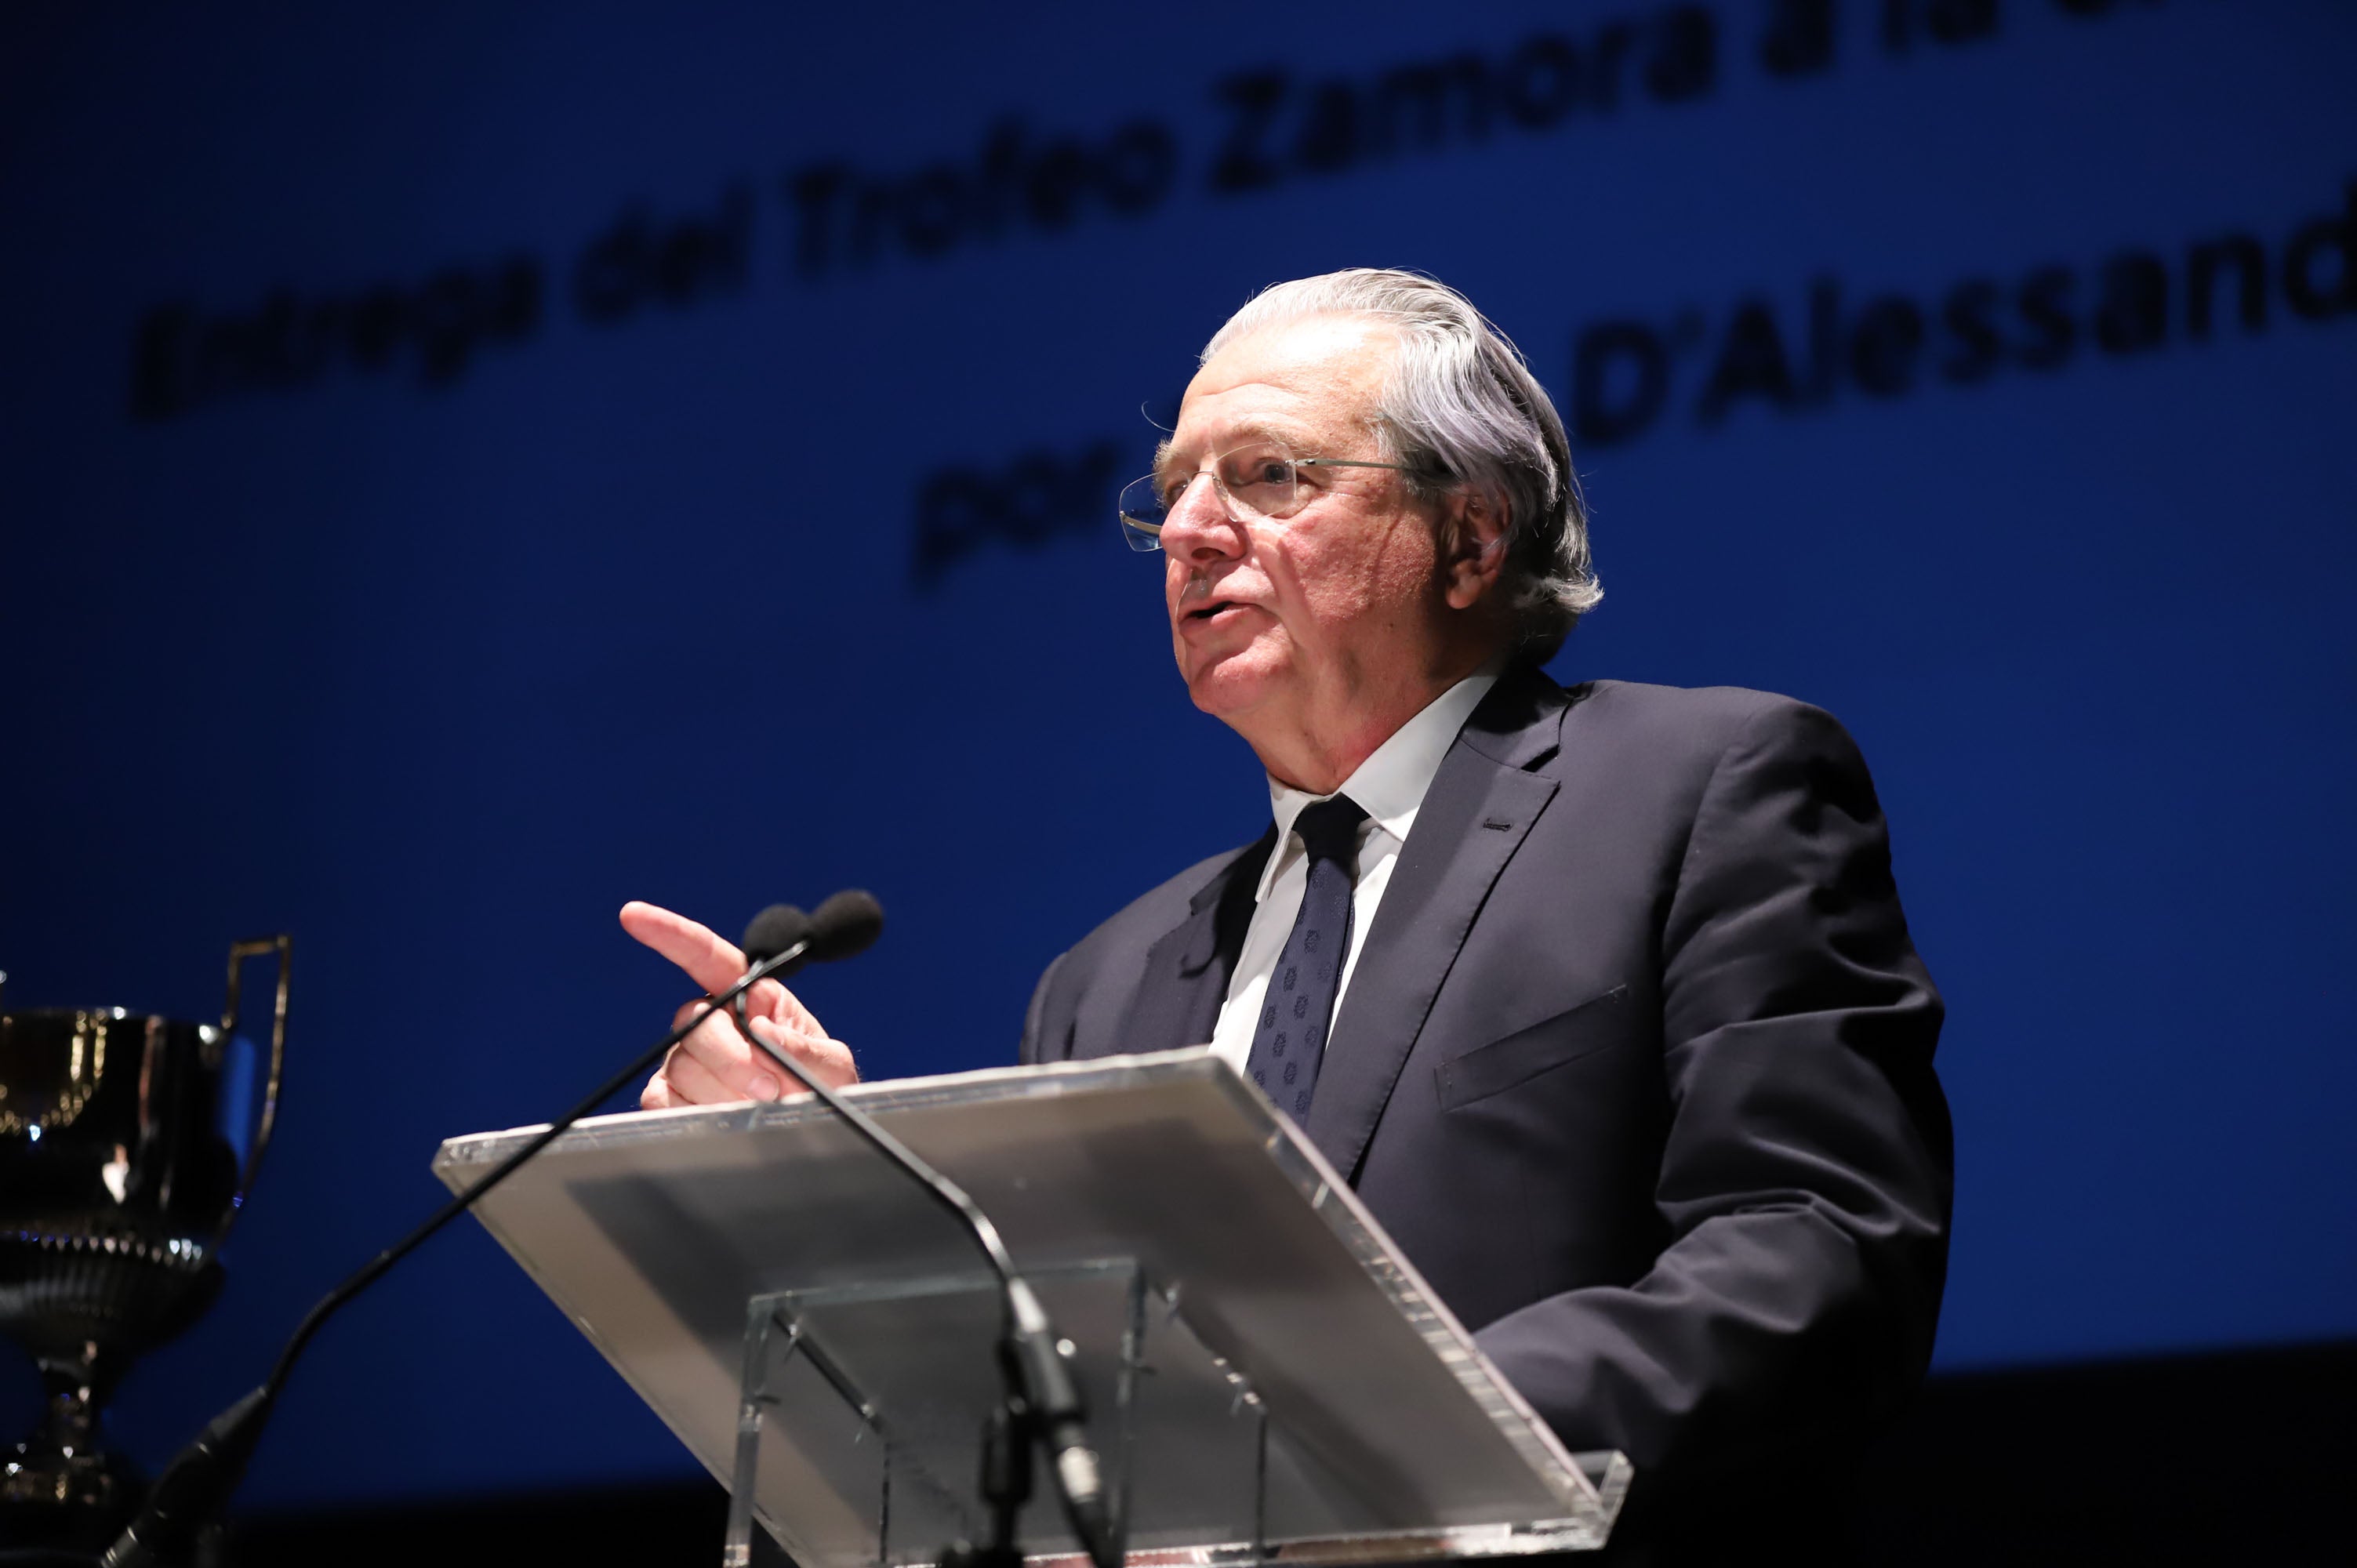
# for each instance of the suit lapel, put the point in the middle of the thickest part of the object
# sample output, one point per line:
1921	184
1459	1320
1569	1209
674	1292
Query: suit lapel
1477	814
1187	972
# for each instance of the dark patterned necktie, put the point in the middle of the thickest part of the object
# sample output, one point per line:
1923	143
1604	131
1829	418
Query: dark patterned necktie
1299	1006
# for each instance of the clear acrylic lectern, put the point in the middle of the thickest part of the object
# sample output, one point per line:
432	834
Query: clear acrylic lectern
1268	1380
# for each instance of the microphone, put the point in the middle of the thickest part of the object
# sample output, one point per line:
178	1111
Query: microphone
782	939
1040	1379
772	931
845	925
197	1485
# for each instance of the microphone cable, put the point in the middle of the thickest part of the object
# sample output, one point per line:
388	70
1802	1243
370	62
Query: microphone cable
198	1482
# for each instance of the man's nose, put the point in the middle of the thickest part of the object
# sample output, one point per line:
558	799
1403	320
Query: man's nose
1198	527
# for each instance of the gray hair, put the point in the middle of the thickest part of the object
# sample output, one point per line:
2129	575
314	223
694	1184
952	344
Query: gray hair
1461	409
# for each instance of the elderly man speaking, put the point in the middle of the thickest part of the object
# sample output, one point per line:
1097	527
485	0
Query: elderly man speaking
1601	996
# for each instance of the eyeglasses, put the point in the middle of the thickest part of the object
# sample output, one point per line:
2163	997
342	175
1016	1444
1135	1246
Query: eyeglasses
1260	481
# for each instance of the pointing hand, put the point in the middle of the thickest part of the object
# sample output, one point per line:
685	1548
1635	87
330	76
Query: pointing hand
715	1066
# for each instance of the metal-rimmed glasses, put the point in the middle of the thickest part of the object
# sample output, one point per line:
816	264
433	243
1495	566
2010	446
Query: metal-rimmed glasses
1258	479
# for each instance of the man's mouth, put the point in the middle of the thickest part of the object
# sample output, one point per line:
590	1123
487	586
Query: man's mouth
1213	610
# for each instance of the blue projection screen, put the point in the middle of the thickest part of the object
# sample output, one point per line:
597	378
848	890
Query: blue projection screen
466	467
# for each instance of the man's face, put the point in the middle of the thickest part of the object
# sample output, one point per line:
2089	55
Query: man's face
1295	621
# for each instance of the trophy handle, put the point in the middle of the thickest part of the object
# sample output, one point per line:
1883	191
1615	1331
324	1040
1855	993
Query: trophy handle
283	946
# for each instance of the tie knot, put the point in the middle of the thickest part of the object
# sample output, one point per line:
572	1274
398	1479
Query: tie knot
1329	830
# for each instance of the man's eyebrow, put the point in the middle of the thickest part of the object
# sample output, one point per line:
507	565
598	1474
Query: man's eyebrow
1242	435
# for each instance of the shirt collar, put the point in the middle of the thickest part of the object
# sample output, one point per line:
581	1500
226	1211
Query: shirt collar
1391	783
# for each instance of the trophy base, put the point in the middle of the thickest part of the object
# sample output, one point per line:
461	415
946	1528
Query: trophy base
62	1489
85	1303
74	1503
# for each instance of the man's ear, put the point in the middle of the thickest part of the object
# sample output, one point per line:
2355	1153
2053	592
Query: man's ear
1473	549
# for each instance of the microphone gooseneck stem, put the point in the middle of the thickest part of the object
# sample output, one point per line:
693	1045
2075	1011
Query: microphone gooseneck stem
1037	1377
200	1477
944	1191
460	1202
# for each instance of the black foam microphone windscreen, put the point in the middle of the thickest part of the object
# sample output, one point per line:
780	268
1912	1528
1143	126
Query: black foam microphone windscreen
846	924
775	930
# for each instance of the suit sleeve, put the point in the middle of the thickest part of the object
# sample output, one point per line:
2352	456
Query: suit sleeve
1035	1019
1806	1176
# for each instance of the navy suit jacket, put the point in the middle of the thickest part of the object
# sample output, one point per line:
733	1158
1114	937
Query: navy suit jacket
1635	1067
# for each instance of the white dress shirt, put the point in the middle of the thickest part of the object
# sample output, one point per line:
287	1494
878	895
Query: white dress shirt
1390	786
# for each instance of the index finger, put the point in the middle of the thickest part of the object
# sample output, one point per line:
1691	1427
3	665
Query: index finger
711	961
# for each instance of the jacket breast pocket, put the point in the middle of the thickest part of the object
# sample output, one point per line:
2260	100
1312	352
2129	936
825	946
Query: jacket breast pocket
1491	1068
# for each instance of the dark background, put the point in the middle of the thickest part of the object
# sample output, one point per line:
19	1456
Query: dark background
451	483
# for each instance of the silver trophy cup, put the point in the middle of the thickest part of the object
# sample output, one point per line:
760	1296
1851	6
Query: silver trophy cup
127	1145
